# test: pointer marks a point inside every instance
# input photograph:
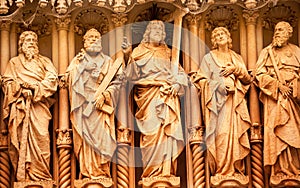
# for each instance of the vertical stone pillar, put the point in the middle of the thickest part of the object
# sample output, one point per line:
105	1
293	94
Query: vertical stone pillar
186	47
123	131
177	15
202	45
193	22
64	142
256	134
119	20
4	59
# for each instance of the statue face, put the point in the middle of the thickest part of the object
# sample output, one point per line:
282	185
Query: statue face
29	46
156	33
221	38
281	35
92	42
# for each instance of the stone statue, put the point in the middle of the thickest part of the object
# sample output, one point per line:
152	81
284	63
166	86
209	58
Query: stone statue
277	76
223	81
28	83
156	93
92	111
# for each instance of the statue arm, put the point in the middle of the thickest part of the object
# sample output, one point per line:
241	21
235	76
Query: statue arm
48	85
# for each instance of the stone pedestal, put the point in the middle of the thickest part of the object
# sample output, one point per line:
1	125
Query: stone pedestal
229	181
90	183
285	181
160	182
35	184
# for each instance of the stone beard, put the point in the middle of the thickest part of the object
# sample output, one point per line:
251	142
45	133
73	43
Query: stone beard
279	40
30	52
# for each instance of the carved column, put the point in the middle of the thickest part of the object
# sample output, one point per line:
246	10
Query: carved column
201	44
194	41
185	47
64	148
256	136
298	32
119	20
177	15
4	158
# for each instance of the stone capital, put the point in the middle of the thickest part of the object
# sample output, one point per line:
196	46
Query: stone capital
192	20
62	81
5	25
119	19
62	23
64	139
3	140
250	17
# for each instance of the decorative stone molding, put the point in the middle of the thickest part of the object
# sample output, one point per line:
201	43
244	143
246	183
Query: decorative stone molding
153	13
196	135
160	181
4	140
192	19
62	23
221	16
63	83
41	184
250	17
100	182
91	18
285	180
64	138
230	181
119	19
256	133
41	24
124	136
5	25
282	12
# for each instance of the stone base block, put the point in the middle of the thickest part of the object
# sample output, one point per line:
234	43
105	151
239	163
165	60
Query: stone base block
35	184
229	181
285	181
160	182
93	183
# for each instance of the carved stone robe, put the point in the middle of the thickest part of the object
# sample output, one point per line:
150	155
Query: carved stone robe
93	130
158	113
281	115
29	141
226	117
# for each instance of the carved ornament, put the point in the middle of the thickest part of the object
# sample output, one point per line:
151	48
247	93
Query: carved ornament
221	16
91	18
250	17
160	181
5	25
124	136
279	13
41	184
196	135
192	19
285	180
63	83
63	23
236	180
64	138
102	181
4	140
256	133
41	24
119	19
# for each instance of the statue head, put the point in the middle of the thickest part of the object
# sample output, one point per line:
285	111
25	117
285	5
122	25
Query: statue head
283	31
155	32
220	35
28	44
92	41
